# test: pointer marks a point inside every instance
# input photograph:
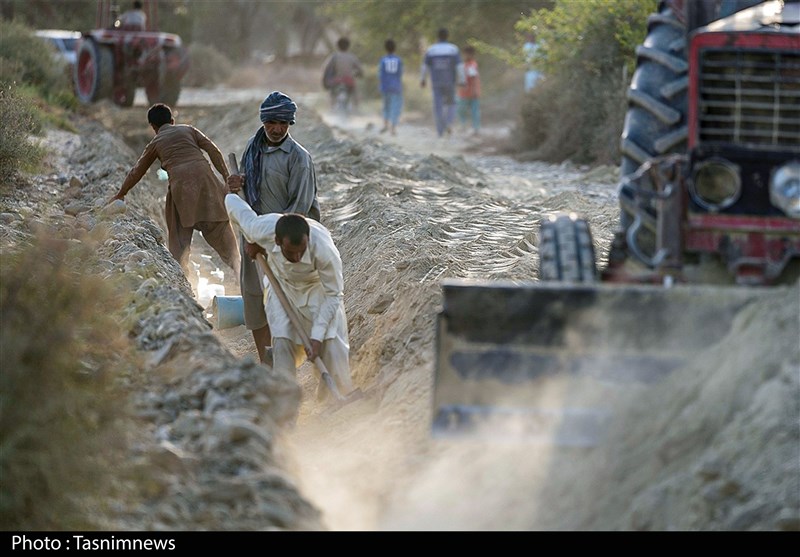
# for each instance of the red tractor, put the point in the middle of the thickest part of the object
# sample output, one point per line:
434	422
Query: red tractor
710	189
125	52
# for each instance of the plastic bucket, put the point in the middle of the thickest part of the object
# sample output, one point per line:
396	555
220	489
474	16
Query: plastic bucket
227	311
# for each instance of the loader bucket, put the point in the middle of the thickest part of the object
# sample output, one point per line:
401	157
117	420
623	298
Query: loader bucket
545	362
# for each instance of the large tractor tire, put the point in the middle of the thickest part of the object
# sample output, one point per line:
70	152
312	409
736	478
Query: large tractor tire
566	250
124	94
171	90
166	91
164	86
656	121
94	72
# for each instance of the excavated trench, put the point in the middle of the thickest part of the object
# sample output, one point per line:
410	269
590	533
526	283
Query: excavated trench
230	446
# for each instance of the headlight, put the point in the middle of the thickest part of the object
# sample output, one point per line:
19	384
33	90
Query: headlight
784	189
716	184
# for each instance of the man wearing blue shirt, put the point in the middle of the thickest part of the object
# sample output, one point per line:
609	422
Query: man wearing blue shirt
443	62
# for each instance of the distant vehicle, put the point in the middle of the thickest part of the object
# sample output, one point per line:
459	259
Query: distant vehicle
116	58
64	42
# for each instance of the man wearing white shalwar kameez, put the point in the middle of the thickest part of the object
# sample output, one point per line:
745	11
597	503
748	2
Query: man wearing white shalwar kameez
310	273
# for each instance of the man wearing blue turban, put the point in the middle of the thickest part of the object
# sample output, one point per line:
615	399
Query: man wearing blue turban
278	177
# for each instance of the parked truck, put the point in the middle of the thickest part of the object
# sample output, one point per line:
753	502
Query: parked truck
709	220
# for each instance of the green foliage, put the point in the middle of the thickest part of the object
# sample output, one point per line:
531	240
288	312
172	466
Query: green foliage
230	26
208	66
28	59
511	58
47	14
60	405
34	89
413	23
587	52
589	36
20	119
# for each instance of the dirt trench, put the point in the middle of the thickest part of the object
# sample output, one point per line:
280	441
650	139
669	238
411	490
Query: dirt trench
715	447
403	219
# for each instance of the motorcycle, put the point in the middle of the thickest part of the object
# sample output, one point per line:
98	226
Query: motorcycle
342	97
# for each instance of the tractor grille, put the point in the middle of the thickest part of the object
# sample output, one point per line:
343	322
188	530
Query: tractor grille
750	97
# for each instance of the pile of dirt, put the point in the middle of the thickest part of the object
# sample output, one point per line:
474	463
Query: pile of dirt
235	447
205	423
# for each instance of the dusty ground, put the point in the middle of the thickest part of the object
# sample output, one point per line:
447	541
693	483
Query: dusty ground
713	447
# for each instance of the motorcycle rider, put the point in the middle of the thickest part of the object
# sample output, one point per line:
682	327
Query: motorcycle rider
342	68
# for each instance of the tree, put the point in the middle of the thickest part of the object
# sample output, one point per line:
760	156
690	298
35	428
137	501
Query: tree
65	14
587	50
413	23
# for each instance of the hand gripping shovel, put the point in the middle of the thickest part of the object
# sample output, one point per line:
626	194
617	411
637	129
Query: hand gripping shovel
355	394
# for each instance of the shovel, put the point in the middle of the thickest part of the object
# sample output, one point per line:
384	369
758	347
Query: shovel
355	394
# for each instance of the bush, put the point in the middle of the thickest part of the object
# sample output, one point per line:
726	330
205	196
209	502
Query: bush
207	67
60	409
20	119
25	58
582	123
585	47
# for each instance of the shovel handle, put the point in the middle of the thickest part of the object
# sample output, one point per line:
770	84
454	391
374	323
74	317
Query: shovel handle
233	163
235	170
295	319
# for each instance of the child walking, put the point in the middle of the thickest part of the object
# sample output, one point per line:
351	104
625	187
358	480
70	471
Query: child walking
469	94
195	198
390	76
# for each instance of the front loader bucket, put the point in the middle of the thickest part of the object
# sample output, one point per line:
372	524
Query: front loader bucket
546	362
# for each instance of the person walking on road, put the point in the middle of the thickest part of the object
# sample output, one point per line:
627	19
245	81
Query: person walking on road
195	197
278	177
305	261
529	49
342	68
443	62
390	76
469	94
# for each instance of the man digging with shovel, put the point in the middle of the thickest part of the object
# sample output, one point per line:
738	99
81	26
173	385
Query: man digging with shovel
302	258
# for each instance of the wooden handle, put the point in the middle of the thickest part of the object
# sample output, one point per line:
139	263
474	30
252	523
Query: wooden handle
233	164
235	170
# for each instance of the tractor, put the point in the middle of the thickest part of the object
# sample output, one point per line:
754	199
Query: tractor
116	58
709	222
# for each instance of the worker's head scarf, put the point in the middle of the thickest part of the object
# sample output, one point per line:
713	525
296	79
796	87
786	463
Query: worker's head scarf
277	107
